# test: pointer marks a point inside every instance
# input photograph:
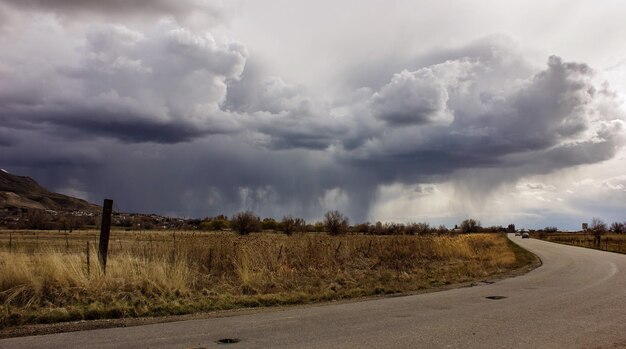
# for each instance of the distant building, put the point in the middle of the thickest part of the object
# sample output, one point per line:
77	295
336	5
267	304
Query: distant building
585	226
511	227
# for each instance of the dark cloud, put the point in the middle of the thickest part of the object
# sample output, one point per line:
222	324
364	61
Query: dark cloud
181	9
412	98
201	135
282	113
513	123
164	86
135	129
220	175
7	137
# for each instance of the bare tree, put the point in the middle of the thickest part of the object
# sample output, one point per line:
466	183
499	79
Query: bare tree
335	223
245	223
470	226
598	228
618	228
291	225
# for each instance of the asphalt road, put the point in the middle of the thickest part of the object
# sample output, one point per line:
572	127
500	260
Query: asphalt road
576	299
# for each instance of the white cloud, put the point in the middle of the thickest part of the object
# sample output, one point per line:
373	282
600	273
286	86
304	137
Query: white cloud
334	199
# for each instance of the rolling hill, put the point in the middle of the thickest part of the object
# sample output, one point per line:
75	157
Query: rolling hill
25	192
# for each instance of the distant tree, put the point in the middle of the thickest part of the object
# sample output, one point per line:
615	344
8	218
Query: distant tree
511	228
291	225
415	228
550	229
598	228
441	229
391	228
362	228
37	219
378	228
543	233
618	228
312	228
470	226
219	223
494	229
335	223
215	223
269	224
245	223
418	229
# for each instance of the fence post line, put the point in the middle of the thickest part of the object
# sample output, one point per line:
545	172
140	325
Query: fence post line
105	230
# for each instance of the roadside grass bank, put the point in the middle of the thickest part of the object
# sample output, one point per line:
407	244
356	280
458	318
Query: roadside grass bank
608	242
44	276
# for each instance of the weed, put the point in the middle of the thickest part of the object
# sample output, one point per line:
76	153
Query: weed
148	274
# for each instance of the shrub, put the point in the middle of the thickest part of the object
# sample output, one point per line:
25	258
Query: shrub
215	223
470	226
618	228
362	228
317	227
245	223
269	224
441	229
378	228
291	225
422	228
335	223
598	228
394	229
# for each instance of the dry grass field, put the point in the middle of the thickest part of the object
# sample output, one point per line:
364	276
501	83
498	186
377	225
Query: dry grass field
609	242
44	276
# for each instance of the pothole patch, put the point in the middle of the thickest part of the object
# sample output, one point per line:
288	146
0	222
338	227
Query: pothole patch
495	298
227	341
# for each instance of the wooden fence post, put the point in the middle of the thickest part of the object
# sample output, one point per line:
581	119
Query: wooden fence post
87	254
105	229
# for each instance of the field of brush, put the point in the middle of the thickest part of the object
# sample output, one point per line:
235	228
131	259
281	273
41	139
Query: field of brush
608	242
45	277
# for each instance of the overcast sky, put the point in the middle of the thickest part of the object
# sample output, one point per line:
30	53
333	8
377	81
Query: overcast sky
407	111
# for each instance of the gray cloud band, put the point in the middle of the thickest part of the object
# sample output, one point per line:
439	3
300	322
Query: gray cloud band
71	9
181	100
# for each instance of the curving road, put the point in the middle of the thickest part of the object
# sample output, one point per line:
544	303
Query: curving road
577	299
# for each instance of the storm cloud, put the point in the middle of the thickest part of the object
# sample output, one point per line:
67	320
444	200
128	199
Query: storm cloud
168	119
162	86
72	9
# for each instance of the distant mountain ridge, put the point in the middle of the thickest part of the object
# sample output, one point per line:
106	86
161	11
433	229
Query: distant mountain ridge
25	192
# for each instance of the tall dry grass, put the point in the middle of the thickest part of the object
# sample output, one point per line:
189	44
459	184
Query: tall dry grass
608	242
45	279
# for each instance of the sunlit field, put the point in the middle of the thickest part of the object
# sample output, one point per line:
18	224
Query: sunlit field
45	277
